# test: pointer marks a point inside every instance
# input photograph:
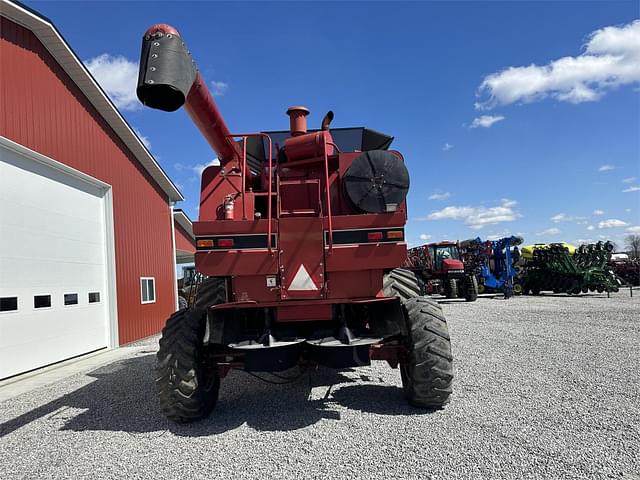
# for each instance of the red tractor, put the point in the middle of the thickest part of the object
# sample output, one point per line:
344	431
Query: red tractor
298	237
440	268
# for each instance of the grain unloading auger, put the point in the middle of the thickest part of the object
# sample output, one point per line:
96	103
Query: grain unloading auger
299	234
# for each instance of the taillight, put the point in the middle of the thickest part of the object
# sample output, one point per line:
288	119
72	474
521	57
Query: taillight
395	234
205	243
225	243
374	236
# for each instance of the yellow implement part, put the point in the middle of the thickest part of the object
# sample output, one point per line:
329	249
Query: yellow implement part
527	250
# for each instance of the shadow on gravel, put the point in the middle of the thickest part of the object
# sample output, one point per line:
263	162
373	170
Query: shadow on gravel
380	399
123	398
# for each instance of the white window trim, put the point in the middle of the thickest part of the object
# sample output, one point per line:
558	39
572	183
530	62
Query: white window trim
142	279
7	312
33	307
71	305
89	292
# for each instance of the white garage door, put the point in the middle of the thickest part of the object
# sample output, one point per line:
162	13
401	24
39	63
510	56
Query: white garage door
53	276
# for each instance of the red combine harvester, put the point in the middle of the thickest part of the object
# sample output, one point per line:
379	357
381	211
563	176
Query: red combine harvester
299	236
441	269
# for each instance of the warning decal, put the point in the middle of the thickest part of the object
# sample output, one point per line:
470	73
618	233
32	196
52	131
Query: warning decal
302	281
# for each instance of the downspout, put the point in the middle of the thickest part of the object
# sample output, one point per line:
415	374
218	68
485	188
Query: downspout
174	258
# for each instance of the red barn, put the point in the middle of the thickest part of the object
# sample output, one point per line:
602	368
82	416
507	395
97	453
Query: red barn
87	242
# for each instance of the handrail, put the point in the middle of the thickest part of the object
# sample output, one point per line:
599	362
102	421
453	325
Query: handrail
244	179
243	173
328	194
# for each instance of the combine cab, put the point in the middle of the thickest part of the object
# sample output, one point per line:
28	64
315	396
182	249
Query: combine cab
441	270
298	238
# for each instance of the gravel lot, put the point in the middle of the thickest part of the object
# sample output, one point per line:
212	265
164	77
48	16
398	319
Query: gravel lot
545	387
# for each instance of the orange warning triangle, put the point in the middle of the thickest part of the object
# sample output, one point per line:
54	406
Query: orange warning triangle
302	281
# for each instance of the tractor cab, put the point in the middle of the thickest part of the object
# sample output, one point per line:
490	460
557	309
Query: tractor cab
446	259
188	275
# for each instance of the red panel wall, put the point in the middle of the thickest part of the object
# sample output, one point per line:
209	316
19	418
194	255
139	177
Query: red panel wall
43	110
184	241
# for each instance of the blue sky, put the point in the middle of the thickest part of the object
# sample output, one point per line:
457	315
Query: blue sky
513	117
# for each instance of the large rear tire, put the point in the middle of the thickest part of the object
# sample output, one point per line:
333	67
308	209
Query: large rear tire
187	382
471	289
212	291
402	283
182	303
427	373
451	289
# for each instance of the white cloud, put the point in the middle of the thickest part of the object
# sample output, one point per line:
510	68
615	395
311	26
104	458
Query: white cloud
118	77
598	212
611	58
478	217
199	168
563	217
439	196
591	227
143	139
629	180
485	121
612	223
606	168
635	229
454	213
549	231
631	189
218	89
497	236
424	236
447	147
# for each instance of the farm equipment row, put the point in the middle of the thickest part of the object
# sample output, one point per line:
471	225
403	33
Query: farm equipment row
628	270
554	268
500	266
495	263
440	269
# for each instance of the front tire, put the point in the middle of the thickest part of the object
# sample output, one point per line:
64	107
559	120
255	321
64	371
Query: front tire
187	382
427	374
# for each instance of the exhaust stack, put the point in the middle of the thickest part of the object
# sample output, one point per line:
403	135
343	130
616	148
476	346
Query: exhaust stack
168	79
298	120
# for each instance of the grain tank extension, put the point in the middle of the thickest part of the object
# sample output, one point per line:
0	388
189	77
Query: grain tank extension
299	237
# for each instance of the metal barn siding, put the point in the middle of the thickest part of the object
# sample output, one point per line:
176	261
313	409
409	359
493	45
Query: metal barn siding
45	111
184	241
